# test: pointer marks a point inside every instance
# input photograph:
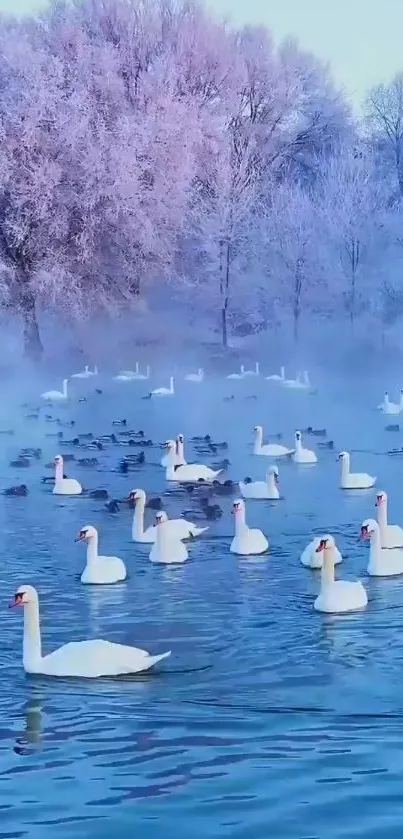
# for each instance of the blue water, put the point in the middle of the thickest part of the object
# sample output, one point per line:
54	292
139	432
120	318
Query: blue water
268	719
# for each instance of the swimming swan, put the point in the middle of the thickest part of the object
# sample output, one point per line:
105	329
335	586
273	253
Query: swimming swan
311	558
300	454
195	377
99	569
262	489
175	453
270	449
85	374
337	596
64	486
255	372
179	528
388	407
353	480
167	547
165	391
383	562
391	534
56	395
79	659
275	377
237	375
189	472
247	541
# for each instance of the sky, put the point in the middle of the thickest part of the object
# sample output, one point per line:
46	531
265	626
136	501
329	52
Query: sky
361	40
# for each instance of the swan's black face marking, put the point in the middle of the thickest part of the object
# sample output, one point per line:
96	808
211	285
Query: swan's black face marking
365	534
236	506
159	518
18	599
82	535
322	545
297	435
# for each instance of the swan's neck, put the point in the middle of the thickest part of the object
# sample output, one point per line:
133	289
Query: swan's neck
375	546
58	472
282	372
240	523
345	468
271	482
31	649
138	518
257	368
65	388
92	549
171	384
170	472
137	367
327	575
383	516
401	400
258	441
298	445
148	371
181	450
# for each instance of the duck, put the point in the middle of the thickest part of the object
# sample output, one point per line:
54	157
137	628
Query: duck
21	490
88	461
311	558
119	422
80	659
383	562
64	486
85	374
212	512
262	489
179	528
99	570
247	541
393	427
270	449
168	547
353	480
255	372
326	444
337	596
195	377
56	395
277	377
388	407
302	455
239	375
112	506
20	462
391	534
315	432
165	391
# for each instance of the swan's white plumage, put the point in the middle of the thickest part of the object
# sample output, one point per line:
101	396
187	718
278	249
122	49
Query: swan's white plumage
56	395
269	449
247	541
302	455
267	489
337	596
383	562
391	534
168	547
353	480
310	558
64	486
178	528
99	570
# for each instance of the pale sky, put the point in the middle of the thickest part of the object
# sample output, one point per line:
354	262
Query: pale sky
362	40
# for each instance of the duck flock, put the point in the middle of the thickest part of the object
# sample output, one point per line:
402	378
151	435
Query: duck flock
170	539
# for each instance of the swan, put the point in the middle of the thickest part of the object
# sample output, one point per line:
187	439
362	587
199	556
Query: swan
195	377
130	373
85	374
171	456
99	569
311	558
239	375
80	659
125	376
180	451
142	376
302	455
64	486
275	377
294	383
353	480
56	395
337	596
191	472
167	547
247	541
270	449
165	391
388	407
179	528
262	489
255	372
391	534
383	562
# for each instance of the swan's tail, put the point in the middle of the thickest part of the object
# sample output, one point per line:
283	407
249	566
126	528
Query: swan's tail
197	531
155	658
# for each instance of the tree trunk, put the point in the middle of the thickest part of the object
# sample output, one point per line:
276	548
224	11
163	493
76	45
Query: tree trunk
224	289
224	330
33	347
297	296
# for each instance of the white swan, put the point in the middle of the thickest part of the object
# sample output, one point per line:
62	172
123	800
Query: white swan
171	457
167	547
56	395
99	569
64	486
247	541
294	383
275	377
262	489
179	528
391	534
311	558
270	449
337	596
80	659
195	377
165	391
85	374
383	562
137	376
388	407
302	455
125	376
239	375
353	480
130	373
255	372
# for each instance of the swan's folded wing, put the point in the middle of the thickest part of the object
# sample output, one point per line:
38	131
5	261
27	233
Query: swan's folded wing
91	659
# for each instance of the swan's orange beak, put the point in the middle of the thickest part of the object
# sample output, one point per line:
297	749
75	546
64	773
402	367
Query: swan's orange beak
321	546
18	601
